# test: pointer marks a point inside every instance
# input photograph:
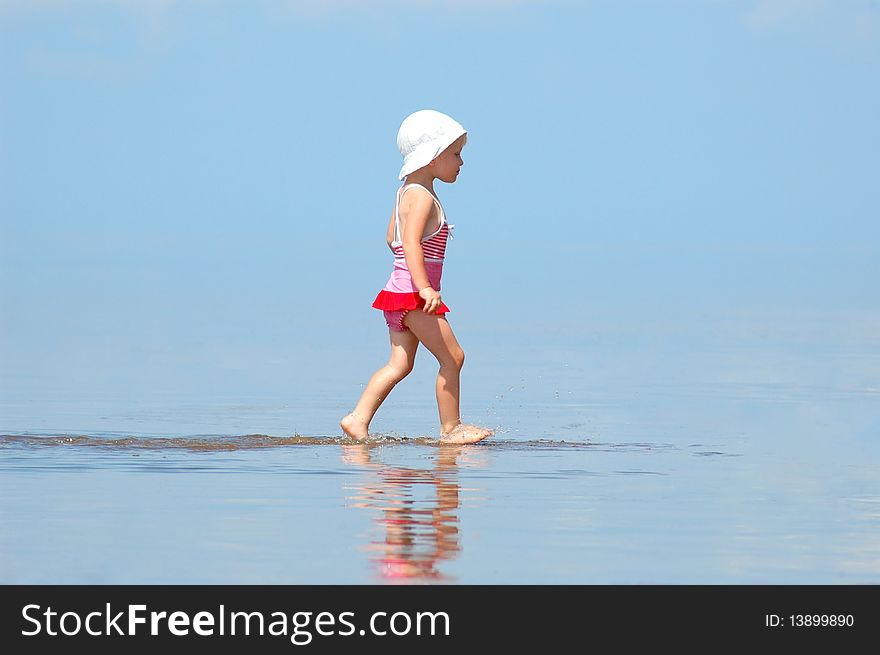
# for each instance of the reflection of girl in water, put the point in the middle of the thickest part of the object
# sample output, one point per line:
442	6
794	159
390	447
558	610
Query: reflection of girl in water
418	532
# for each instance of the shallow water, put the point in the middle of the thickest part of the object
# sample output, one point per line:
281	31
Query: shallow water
744	456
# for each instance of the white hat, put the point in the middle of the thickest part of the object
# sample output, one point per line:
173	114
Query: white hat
423	135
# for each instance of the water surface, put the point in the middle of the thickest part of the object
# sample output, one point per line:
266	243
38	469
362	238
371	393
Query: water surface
622	456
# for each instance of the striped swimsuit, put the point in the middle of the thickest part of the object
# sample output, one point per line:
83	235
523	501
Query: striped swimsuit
400	294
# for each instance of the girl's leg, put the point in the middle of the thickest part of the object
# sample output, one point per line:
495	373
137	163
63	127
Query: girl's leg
403	355
435	333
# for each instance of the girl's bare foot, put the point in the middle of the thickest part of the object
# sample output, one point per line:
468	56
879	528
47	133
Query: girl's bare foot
464	433
354	426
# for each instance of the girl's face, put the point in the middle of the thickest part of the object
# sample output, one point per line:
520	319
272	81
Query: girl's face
449	162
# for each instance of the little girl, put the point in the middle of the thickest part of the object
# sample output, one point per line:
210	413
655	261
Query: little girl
431	145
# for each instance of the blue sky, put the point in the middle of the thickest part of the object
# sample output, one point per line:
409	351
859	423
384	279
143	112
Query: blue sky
198	191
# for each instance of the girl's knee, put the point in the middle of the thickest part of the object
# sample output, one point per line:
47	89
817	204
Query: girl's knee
400	370
455	359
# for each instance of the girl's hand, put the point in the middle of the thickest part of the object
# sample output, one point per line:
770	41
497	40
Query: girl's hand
432	300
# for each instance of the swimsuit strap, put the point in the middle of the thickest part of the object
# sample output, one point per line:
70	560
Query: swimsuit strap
400	192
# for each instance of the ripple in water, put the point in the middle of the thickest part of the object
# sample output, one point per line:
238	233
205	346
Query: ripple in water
254	441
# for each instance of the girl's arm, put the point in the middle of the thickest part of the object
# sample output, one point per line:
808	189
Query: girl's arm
389	234
418	210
